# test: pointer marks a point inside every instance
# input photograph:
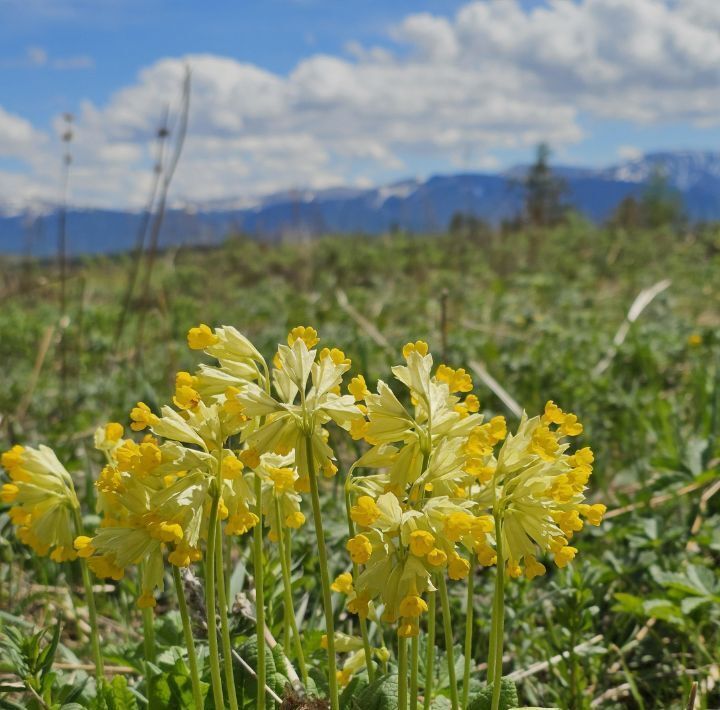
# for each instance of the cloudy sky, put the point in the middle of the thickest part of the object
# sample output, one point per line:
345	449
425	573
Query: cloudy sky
315	93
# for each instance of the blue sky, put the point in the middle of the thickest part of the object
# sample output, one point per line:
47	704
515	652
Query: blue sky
292	93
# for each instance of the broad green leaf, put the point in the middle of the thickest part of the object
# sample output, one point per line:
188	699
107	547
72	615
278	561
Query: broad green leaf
508	697
381	694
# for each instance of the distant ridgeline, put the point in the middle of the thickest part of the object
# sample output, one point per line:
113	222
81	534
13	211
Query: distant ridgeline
414	205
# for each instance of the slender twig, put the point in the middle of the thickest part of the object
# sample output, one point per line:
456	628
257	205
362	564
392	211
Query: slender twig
168	174
544	665
62	246
655	500
641	302
500	392
137	256
364	323
35	375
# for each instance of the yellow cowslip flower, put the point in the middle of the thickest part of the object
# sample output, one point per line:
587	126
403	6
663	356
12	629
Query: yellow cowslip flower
544	443
365	512
283	479
457	525
201	337
232	467
307	334
483	438
694	340
240	521
359	548
553	414
12	460
436	557
358	388
142	417
186	396
457	380
343	583
458	567
593	513
336	355
533	568
295	520
401	552
565	555
570	426
412	606
43	499
419	346
422	542
108	436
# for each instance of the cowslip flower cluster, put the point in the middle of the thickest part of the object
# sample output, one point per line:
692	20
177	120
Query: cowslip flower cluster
278	411
155	494
537	492
442	488
43	502
414	516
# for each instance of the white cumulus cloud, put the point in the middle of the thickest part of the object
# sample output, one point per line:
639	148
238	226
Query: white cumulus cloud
494	76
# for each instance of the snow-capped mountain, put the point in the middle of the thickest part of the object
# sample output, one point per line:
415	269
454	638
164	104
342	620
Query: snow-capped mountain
414	204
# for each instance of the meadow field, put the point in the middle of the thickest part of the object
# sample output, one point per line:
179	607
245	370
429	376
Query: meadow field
620	327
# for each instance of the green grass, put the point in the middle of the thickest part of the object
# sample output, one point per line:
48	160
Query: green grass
539	311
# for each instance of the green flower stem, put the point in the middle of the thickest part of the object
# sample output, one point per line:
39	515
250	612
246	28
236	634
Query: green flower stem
210	604
496	650
148	619
430	652
448	641
187	633
287	593
224	625
149	634
285	548
414	656
468	632
402	673
324	576
92	611
259	594
363	622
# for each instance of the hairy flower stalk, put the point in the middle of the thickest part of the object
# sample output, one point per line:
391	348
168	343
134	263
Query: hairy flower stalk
289	610
92	611
188	636
324	577
259	596
430	653
214	657
468	632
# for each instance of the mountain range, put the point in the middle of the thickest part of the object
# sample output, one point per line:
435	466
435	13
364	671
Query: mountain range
415	205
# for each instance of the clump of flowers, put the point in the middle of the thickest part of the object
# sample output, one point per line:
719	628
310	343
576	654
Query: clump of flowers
437	494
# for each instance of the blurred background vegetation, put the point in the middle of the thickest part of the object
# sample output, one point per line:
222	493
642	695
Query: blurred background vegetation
542	304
